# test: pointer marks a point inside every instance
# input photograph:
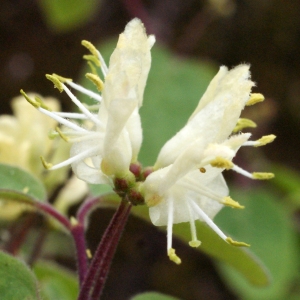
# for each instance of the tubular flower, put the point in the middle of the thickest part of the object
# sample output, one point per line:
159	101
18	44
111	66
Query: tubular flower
110	139
187	183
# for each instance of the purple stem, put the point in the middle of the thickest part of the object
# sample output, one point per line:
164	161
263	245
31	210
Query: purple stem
86	208
49	210
101	252
77	231
108	257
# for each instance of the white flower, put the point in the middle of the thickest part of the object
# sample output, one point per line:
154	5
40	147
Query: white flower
110	140
187	182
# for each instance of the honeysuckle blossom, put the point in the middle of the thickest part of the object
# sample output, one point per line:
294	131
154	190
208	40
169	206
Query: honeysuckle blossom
187	182
19	146
104	147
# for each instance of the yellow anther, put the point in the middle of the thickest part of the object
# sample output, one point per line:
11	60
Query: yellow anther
33	102
52	134
220	162
41	103
95	79
230	241
63	136
93	50
46	164
55	81
173	257
90	47
229	202
202	170
195	243
262	175
89	253
243	123
73	221
255	98
265	140
62	79
92	59
92	67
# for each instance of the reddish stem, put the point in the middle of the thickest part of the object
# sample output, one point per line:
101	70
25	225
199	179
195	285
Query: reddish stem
108	257
77	231
101	257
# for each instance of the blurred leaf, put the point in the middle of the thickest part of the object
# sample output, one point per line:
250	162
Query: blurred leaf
287	180
266	226
152	296
239	258
56	282
65	15
100	189
15	179
16	280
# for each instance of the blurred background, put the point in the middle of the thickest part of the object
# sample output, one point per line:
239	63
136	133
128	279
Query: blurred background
194	37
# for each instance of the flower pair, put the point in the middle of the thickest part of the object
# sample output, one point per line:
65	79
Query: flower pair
186	183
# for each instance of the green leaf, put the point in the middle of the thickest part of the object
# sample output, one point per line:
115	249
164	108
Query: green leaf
16	280
16	179
56	282
265	224
153	296
65	15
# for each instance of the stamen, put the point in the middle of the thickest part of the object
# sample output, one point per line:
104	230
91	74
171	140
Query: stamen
243	123
173	257
262	176
212	195
208	221
171	252
46	165
235	243
33	102
255	98
97	54
90	136
223	163
62	120
92	59
229	202
71	115
194	242
92	67
254	175
262	141
57	83
64	137
80	156
92	49
84	91
95	79
170	223
92	117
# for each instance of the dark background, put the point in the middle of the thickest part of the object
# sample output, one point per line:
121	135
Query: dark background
264	33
